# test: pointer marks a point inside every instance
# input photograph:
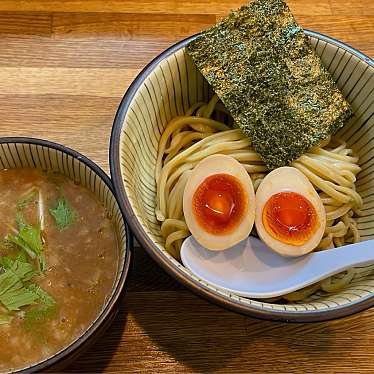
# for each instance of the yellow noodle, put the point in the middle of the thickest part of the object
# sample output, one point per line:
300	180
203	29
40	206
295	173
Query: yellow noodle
323	171
178	123
217	148
339	149
204	128
303	293
257	183
336	156
333	284
326	186
174	176
325	142
255	168
169	224
355	197
341	165
338	230
176	197
177	139
201	111
356	233
244	156
326	242
193	108
338	242
348	175
336	213
226	136
210	107
187	139
176	235
330	201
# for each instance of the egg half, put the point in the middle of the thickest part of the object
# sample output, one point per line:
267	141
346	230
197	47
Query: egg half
219	202
290	216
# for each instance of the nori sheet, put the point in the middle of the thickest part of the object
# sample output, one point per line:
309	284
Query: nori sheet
264	69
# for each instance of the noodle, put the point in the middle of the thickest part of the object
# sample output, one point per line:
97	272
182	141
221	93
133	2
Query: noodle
331	168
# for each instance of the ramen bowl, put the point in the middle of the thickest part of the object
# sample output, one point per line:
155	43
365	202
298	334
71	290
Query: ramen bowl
165	89
18	153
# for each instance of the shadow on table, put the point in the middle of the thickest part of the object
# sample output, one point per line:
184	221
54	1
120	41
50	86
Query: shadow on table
98	356
207	338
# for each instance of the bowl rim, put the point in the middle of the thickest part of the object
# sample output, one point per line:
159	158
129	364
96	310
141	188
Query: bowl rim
118	291
150	247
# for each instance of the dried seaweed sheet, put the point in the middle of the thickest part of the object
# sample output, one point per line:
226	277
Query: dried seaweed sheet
262	66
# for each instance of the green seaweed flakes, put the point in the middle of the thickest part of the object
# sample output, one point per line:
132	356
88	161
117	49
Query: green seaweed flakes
262	66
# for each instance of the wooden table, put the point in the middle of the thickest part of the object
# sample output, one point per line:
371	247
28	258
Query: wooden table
65	65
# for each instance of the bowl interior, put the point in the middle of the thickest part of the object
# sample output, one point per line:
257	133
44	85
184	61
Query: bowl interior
34	153
169	86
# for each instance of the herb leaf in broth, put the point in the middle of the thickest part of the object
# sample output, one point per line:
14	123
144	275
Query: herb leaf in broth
63	214
47	309
29	238
19	296
19	266
38	315
13	292
43	296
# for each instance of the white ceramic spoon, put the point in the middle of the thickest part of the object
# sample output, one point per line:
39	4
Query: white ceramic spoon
251	269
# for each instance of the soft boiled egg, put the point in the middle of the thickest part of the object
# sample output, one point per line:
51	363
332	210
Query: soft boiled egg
219	202
290	217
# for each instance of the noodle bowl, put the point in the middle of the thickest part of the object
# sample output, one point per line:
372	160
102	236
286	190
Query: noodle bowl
166	89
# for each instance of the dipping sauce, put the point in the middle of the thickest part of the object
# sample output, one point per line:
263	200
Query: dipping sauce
219	203
289	217
75	250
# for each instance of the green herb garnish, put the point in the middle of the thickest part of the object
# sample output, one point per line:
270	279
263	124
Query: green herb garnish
47	309
39	314
17	270
43	296
16	291
29	238
63	214
13	291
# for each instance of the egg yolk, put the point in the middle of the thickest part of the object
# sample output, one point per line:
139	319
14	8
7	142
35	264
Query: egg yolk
219	204
290	218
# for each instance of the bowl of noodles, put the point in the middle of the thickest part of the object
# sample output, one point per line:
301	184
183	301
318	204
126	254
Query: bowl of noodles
170	119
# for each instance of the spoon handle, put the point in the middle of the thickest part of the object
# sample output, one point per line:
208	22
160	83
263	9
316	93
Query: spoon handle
335	260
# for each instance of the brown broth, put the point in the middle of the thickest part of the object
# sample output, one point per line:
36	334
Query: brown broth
81	261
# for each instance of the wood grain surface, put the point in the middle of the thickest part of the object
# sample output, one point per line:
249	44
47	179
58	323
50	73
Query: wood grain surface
64	66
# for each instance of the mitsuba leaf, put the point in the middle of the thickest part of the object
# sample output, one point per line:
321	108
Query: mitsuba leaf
63	214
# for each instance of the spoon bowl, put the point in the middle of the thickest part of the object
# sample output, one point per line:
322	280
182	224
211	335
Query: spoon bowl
251	269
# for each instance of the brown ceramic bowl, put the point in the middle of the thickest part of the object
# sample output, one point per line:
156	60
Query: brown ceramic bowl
45	155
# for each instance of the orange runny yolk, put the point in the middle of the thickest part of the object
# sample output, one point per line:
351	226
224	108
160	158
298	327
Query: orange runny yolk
290	218
219	204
